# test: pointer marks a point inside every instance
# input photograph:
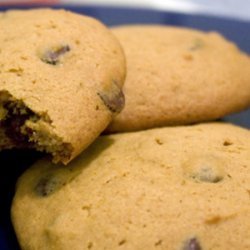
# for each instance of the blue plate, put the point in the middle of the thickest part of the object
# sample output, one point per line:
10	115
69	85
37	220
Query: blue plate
18	161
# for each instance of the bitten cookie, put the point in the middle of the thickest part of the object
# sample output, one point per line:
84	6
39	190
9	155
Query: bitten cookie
61	77
183	188
179	76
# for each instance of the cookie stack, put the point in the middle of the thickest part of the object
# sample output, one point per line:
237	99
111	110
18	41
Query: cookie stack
146	185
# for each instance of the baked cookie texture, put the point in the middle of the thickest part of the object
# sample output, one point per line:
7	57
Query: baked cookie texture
166	188
179	76
61	77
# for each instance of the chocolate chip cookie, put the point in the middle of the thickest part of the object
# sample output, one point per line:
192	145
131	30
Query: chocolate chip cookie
184	188
61	77
179	76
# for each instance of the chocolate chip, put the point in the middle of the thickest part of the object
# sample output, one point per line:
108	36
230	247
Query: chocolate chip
208	174
206	168
113	98
15	119
192	244
53	56
41	187
13	127
46	186
54	179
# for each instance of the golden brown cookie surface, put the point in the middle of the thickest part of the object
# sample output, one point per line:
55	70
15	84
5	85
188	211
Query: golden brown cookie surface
61	77
171	188
179	76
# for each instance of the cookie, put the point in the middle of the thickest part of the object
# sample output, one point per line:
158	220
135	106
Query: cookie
61	77
179	76
166	188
